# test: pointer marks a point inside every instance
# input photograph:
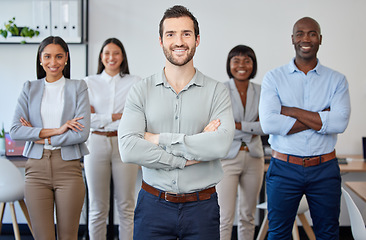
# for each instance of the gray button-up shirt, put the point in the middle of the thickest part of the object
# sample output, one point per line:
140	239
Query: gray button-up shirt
153	106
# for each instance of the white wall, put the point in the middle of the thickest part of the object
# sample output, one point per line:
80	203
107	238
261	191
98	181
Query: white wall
265	25
18	64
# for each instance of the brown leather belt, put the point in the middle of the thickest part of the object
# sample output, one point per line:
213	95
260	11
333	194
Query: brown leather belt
244	147
179	197
107	134
306	161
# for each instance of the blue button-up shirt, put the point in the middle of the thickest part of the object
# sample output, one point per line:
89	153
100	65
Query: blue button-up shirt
315	91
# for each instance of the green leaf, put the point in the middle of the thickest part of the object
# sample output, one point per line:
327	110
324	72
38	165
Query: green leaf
4	33
2	133
12	28
25	32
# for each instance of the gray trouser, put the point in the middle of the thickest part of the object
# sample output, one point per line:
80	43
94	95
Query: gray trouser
103	162
246	174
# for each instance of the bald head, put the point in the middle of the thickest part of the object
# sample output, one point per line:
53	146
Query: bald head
306	38
307	20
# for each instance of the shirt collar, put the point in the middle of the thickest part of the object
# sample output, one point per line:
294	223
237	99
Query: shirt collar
107	77
234	88
196	80
293	68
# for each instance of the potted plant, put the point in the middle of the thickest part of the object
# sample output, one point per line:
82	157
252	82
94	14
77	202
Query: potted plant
14	30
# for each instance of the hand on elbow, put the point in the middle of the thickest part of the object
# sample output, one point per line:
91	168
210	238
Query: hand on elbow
72	124
153	138
25	122
212	126
191	162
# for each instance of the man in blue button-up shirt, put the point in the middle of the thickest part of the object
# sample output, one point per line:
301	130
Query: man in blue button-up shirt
303	106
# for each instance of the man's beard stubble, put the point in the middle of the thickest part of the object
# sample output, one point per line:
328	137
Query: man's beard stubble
169	56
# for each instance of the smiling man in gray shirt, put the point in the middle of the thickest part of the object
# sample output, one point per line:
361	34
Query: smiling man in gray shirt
177	124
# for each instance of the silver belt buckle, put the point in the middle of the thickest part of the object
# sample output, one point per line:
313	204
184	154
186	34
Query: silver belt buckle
166	194
304	160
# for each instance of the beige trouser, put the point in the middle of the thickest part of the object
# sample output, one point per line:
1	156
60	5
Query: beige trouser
103	161
247	173
52	182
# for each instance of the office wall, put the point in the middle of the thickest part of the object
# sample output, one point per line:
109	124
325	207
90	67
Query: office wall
18	64
265	25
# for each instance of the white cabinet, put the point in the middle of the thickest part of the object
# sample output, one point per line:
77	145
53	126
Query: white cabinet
64	18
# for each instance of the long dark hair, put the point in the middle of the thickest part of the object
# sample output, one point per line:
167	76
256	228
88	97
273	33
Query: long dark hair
124	65
55	40
241	50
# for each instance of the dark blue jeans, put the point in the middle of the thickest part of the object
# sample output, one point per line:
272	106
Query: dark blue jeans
287	182
158	219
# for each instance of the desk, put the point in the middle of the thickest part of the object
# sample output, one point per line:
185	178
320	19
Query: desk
359	188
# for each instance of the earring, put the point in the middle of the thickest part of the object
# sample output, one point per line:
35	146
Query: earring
65	63
41	64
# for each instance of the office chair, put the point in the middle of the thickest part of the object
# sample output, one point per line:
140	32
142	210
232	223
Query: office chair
357	223
303	207
11	190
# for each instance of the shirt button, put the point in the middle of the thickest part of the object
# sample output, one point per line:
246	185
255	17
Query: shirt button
177	97
176	117
174	182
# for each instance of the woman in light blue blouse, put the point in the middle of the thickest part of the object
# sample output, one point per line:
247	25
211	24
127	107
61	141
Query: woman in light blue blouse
243	166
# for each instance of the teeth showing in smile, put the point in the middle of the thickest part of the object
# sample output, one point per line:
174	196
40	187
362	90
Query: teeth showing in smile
242	71
179	50
53	69
305	48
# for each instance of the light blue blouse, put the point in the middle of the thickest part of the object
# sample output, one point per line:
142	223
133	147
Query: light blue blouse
315	91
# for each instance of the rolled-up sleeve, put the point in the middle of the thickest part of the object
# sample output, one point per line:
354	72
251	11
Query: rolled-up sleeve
271	119
100	120
336	120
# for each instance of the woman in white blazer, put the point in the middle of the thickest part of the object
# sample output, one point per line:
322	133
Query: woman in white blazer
243	166
53	116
